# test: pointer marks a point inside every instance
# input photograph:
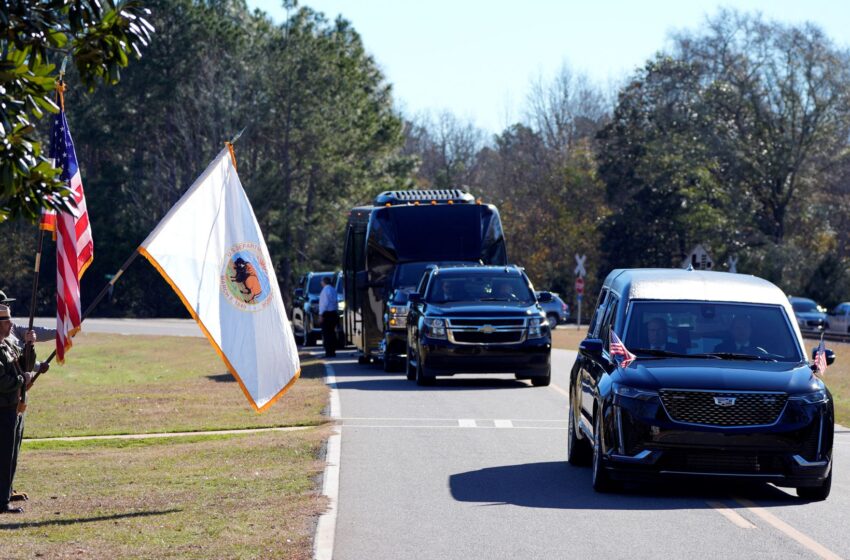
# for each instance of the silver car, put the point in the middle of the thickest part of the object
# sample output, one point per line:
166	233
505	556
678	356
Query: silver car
556	310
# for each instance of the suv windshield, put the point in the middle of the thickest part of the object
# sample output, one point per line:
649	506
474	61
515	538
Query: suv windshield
407	275
480	286
804	306
315	285
725	330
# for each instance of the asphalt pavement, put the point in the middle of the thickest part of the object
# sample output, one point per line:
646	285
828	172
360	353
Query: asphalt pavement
475	467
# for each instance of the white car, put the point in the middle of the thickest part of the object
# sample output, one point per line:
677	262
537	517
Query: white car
839	318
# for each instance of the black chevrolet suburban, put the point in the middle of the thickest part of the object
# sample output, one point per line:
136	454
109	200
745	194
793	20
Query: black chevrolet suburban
477	319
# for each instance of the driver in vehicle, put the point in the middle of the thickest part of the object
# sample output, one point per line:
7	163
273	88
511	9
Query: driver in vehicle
504	290
741	330
656	334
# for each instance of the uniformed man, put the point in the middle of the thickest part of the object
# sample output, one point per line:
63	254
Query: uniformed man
18	335
15	375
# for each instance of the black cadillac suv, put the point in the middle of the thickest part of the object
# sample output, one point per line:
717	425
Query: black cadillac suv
698	374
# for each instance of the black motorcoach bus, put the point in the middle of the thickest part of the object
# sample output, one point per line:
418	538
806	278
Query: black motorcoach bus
388	246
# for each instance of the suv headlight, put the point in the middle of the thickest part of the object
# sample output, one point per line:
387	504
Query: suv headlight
436	327
341	305
815	397
633	392
535	326
398	316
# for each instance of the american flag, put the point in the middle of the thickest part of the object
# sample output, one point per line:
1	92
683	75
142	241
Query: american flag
820	359
74	246
617	348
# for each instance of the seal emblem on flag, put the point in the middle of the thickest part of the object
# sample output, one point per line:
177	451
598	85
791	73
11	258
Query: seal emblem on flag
244	278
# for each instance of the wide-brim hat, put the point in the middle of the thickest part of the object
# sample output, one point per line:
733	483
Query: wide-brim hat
4	299
5	313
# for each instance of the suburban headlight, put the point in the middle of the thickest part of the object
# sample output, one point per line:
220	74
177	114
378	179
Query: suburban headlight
398	316
811	398
535	326
634	393
436	327
341	305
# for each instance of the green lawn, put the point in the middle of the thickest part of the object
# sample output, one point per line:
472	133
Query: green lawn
203	496
114	384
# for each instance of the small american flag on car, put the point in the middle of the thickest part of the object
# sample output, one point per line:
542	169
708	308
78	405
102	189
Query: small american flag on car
617	349
820	359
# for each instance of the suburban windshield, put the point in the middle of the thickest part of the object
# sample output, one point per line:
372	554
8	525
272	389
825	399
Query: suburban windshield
407	275
315	285
725	330
480	287
804	306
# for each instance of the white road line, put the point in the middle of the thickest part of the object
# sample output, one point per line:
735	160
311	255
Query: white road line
448	427
559	389
323	544
789	531
503	423
466	423
424	419
730	514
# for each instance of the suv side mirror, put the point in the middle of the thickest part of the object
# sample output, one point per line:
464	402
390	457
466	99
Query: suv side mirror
591	347
414	298
545	297
830	355
299	293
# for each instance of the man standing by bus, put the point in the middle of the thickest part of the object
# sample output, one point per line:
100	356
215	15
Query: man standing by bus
329	311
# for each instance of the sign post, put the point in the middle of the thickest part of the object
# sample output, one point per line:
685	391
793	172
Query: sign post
580	273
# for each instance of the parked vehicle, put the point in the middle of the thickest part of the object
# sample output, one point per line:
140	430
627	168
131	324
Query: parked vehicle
838	320
387	248
477	319
720	386
811	317
557	312
306	324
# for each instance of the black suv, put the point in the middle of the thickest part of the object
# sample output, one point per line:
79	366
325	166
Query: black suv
720	385
477	319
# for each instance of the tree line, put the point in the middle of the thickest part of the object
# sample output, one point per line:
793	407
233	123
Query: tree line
734	137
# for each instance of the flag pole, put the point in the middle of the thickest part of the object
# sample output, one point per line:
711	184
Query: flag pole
99	298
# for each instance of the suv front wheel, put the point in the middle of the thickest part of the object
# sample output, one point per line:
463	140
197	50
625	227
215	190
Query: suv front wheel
601	480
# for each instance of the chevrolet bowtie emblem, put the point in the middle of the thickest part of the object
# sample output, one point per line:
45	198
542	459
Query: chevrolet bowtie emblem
487	329
724	401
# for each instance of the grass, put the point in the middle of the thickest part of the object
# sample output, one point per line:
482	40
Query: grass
114	384
837	375
201	496
238	496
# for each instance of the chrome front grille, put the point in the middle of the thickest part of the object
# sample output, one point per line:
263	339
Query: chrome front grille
712	408
486	330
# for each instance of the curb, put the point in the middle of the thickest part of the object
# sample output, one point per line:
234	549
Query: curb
323	543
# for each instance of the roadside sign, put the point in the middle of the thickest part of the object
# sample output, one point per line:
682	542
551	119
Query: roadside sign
699	259
579	286
579	270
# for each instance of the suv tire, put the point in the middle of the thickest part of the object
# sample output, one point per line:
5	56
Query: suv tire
553	319
409	368
422	377
601	480
542	380
579	451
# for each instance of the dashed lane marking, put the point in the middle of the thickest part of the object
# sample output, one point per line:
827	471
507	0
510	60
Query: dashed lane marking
466	423
503	424
730	514
789	531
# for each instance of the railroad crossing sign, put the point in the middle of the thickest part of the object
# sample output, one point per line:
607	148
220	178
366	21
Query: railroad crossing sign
579	270
579	286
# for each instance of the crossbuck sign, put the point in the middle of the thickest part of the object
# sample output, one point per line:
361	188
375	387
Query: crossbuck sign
580	271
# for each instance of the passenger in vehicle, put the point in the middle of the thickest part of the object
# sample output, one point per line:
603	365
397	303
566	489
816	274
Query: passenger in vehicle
656	334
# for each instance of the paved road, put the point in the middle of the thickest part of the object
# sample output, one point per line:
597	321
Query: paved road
475	468
162	327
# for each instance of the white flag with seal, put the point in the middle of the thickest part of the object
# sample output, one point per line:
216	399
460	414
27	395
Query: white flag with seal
209	247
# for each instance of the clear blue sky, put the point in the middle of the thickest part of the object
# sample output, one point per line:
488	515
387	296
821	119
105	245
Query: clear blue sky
476	58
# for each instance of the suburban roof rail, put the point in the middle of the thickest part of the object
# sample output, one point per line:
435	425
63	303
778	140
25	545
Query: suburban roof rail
451	196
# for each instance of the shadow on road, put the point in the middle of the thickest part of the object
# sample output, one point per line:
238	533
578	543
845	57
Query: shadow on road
561	486
396	382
